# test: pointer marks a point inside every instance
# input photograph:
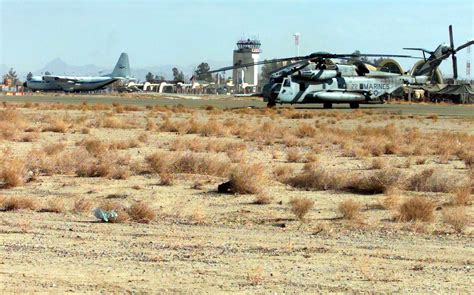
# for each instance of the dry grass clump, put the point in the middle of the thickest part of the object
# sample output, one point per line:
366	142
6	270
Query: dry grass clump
301	206
54	148
283	172
349	209
462	196
294	155
375	183
190	163
262	198
14	203
456	217
60	162
378	163
12	171
124	144
416	209
468	158
56	205
112	166
57	125
141	212
151	125
391	202
82	205
314	177
434	180
94	146
248	179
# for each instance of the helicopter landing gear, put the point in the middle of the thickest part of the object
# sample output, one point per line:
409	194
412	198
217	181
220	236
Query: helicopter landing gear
271	103
354	105
327	105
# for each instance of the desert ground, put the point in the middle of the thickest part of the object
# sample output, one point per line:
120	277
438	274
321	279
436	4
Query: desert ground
375	200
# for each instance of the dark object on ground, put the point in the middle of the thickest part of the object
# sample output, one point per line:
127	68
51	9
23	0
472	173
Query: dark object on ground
225	187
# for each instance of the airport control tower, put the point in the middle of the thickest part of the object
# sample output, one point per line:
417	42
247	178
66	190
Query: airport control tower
248	51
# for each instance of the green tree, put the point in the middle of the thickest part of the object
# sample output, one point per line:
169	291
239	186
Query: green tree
12	76
180	77
202	72
29	76
175	74
150	77
47	73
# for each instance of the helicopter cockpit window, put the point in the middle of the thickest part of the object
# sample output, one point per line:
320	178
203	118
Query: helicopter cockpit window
286	83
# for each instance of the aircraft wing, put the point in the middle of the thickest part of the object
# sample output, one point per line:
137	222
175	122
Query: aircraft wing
59	79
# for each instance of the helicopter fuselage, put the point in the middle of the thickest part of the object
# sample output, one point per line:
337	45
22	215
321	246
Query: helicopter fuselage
341	85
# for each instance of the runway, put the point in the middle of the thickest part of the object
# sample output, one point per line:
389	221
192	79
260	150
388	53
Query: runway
238	102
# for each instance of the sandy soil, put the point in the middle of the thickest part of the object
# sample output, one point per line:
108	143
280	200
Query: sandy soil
206	242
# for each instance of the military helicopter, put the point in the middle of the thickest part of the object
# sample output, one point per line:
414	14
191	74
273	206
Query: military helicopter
315	78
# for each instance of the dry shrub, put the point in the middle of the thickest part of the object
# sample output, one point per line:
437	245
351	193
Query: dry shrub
164	162
282	171
301	206
30	137
119	172
375	183
64	162
124	144
305	130
14	203
54	148
434	180
378	163
467	157
166	178
262	198
12	171
390	202
56	205
143	138
113	122
314	177
94	168
141	212
151	125
456	217
198	217
256	276
57	125
311	158
294	156
8	131
462	196
94	146
416	209
83	205
248	178
349	209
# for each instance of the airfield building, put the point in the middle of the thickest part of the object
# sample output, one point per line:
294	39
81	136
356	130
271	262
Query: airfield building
248	51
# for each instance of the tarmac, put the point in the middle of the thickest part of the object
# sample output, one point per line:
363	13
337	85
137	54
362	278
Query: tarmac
238	102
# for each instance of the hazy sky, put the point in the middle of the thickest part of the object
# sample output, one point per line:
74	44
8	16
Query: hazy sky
188	32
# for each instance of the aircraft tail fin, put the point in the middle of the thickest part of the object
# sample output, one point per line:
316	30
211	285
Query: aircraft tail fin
122	68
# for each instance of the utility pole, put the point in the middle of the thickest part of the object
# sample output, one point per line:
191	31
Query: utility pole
297	43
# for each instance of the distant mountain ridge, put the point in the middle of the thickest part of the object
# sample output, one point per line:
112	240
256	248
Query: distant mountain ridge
59	67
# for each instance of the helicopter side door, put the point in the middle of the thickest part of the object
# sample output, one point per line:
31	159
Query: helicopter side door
288	90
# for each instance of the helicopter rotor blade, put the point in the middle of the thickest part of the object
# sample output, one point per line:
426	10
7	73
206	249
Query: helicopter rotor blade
453	53
467	44
317	56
